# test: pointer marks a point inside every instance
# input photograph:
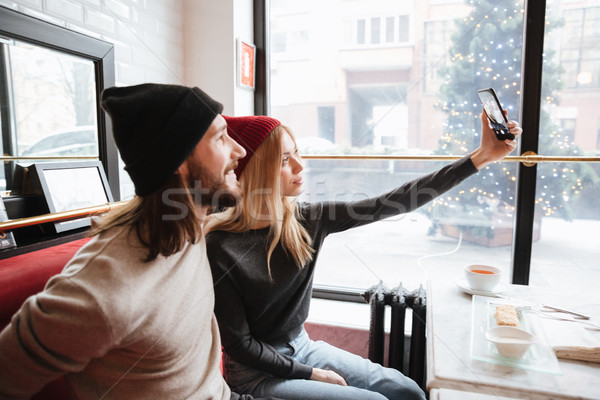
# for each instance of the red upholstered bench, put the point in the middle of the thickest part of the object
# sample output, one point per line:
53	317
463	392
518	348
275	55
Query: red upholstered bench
25	275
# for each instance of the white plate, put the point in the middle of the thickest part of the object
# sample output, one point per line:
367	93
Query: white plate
462	283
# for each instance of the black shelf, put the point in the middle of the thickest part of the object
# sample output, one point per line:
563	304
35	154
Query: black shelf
37	237
28	240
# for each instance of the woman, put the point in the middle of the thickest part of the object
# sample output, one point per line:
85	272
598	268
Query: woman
263	252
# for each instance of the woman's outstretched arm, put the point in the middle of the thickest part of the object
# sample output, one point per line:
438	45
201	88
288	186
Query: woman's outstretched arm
339	216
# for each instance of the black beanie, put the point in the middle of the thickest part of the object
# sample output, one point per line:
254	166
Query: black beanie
156	127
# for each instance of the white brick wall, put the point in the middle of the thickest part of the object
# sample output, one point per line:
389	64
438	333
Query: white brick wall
147	35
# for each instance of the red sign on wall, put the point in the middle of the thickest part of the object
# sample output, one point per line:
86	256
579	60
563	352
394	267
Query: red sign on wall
246	64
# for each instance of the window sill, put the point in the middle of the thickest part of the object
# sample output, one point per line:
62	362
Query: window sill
349	315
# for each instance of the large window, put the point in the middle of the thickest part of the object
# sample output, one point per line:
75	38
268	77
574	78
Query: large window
417	102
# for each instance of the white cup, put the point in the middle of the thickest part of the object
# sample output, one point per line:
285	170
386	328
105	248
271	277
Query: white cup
482	277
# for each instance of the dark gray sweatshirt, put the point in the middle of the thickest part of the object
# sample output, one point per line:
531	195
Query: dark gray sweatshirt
254	312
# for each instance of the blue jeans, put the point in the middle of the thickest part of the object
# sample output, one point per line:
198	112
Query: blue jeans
366	380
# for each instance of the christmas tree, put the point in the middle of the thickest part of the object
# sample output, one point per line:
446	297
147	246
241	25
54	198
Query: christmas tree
487	52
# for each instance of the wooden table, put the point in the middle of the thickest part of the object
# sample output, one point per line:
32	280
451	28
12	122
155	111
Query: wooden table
449	363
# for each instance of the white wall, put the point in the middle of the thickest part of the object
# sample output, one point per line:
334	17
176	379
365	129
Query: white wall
243	23
208	47
190	42
211	29
147	34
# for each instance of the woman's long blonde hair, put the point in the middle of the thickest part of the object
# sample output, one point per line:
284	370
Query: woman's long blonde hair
261	188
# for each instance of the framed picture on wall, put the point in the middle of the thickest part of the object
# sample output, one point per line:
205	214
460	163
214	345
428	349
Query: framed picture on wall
246	63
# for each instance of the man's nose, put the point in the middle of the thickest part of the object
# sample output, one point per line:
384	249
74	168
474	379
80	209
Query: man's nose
238	152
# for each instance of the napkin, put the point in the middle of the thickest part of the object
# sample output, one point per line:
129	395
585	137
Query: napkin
571	340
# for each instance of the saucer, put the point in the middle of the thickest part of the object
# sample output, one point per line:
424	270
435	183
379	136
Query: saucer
462	283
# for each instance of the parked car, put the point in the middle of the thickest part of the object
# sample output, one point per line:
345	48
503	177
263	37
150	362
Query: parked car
79	141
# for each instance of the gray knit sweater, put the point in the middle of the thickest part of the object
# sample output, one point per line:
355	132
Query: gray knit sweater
118	327
255	313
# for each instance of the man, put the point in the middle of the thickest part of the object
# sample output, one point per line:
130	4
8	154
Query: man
131	316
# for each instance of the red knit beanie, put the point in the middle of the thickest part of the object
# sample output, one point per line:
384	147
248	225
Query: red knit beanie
249	132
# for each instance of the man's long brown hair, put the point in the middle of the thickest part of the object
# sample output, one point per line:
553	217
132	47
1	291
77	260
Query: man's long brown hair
163	221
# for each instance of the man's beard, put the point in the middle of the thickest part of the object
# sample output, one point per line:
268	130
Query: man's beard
210	189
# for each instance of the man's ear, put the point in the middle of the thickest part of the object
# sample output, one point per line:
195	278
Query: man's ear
183	169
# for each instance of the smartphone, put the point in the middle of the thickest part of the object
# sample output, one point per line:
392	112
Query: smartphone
493	110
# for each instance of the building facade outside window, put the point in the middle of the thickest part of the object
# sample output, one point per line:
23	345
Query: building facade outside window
579	47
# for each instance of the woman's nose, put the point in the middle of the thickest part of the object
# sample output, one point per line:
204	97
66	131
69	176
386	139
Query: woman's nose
297	165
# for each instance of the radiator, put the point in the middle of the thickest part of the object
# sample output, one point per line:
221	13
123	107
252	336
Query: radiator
398	299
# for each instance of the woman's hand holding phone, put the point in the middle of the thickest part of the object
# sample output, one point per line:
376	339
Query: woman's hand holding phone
493	109
492	149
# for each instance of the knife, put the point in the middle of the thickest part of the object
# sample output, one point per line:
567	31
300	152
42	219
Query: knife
576	314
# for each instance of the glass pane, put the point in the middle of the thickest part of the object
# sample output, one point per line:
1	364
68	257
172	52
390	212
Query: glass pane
429	83
54	99
566	247
361	31
571	79
403	29
278	42
403	248
389	29
375	30
418	98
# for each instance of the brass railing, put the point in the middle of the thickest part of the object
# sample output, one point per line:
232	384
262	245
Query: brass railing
526	159
37	158
533	158
59	216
